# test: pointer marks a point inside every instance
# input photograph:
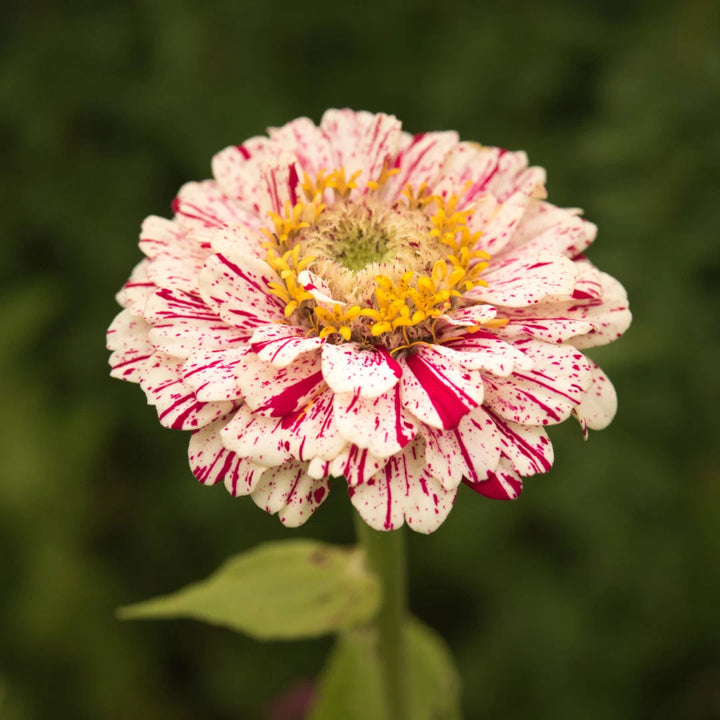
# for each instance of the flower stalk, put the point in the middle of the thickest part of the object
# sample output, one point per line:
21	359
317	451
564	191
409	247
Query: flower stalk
385	553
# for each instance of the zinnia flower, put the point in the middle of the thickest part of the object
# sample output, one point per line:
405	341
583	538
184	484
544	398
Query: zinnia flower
348	300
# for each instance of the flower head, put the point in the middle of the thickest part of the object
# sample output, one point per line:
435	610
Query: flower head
348	300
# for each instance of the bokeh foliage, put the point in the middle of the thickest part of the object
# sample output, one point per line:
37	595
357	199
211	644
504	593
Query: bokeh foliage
595	595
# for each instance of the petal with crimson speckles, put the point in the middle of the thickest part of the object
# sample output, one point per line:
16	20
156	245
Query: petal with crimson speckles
420	161
128	338
483	350
202	205
403	490
212	375
181	323
237	169
525	281
356	465
307	143
526	447
599	405
367	372
281	344
545	395
281	391
238	291
280	184
379	424
174	400
503	483
545	228
470	450
305	435
436	391
291	493
211	462
137	289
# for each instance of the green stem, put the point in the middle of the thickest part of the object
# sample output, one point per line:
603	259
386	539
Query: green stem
385	552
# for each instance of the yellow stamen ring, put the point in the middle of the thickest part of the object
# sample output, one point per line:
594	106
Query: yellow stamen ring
398	305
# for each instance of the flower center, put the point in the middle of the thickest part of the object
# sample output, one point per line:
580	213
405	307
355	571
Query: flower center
392	269
353	242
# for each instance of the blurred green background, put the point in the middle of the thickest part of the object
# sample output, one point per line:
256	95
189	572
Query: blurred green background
594	596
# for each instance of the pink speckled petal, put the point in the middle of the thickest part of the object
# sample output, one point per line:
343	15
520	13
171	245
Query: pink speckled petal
471	315
498	222
137	289
503	483
212	374
203	205
281	344
291	493
211	462
420	161
348	368
356	465
318	288
279	392
379	424
280	181
526	281
238	291
175	402
237	242
514	176
362	141
305	435
599	405
182	322
128	338
545	395
307	143
470	450
237	169
437	391
484	350
403	490
526	447
545	228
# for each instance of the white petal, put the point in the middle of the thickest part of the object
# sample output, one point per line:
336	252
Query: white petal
307	142
212	463
290	492
213	374
175	401
437	391
527	447
503	483
379	424
281	344
348	368
403	489
356	465
127	336
483	350
599	405
182	323
281	391
201	205
518	282
135	292
238	291
545	395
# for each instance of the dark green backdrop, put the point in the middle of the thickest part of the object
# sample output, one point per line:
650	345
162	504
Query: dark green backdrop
595	595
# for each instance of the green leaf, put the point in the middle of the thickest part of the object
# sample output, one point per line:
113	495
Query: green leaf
434	681
283	590
351	686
